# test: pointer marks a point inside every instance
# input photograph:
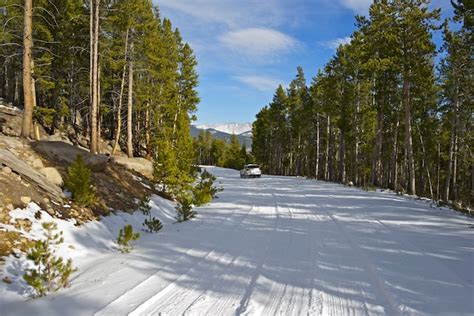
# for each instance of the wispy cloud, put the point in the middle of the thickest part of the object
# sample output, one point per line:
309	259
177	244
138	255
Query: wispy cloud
258	42
231	13
358	6
261	83
334	44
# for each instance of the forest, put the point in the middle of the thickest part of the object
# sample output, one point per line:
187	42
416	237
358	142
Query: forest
388	110
107	69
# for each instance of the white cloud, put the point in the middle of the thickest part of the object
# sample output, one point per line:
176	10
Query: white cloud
334	44
229	12
358	6
258	42
261	83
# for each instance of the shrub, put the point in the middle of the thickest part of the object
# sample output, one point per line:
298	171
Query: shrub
78	182
205	190
144	205
151	224
126	235
184	209
51	273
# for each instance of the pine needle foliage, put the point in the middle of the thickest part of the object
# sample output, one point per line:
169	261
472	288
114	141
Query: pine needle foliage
151	224
126	235
51	273
184	208
78	182
204	191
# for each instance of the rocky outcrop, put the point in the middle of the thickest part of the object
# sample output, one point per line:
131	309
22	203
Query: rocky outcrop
66	153
52	175
16	165
140	165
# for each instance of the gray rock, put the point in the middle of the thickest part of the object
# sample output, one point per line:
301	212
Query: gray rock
52	175
67	153
141	165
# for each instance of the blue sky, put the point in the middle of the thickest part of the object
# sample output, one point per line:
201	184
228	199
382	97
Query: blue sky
245	48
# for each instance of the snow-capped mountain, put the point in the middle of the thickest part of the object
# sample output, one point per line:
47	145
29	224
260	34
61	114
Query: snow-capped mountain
243	131
229	128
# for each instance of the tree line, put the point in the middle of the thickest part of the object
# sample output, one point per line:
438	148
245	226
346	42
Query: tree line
383	112
108	69
213	151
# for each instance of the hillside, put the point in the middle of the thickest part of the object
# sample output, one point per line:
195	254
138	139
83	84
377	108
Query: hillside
34	172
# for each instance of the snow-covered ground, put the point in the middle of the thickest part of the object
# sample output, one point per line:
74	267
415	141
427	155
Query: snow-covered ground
268	246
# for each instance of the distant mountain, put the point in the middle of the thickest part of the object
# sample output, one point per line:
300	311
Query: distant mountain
225	131
229	128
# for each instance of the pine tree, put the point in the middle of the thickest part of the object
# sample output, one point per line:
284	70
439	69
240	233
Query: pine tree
151	224
125	237
78	182
51	273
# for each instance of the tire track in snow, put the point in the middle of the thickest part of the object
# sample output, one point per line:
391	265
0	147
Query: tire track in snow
118	305
392	307
244	302
190	296
279	292
150	305
324	302
236	264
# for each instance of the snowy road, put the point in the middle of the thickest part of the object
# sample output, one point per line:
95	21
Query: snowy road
285	246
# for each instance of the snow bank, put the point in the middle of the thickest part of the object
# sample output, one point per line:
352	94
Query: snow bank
81	243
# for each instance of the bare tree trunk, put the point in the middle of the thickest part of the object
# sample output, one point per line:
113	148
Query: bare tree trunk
36	131
147	131
452	141
394	177
129	106
376	164
438	168
27	123
455	169
357	138
425	162
95	78
99	116
317	148
408	138
120	103
328	142
342	160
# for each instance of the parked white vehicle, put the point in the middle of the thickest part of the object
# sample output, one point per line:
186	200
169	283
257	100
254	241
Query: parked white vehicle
251	171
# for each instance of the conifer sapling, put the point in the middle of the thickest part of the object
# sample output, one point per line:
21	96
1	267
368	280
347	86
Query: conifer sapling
51	273
126	235
151	224
78	182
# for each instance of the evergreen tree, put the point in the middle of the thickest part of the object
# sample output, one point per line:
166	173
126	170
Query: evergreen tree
78	182
50	273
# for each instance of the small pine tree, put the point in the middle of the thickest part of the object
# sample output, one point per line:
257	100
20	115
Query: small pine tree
144	205
78	182
51	273
184	209
205	191
126	235
151	224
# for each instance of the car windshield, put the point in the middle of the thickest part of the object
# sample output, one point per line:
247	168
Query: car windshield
252	166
